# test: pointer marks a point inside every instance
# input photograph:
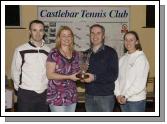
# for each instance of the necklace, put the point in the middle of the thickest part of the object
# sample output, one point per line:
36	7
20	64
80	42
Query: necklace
66	54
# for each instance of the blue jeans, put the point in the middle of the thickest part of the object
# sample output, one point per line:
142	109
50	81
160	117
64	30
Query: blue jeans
69	108
99	103
136	106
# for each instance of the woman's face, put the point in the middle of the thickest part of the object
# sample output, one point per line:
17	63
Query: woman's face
66	38
130	42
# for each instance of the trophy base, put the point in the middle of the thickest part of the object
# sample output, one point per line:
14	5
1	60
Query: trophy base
82	76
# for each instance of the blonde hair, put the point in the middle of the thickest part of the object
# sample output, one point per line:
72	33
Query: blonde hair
58	42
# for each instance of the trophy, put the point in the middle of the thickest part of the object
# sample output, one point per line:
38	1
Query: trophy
84	64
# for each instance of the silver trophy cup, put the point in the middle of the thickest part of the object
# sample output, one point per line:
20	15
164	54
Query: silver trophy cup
84	64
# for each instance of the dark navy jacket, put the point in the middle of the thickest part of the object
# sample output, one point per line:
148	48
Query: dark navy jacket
104	65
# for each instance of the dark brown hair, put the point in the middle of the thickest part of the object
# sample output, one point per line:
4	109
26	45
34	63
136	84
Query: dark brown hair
137	46
97	25
101	27
37	22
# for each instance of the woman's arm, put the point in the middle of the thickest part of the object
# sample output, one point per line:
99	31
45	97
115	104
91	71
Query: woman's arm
50	72
141	72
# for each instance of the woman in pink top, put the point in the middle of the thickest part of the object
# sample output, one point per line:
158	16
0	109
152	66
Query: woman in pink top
62	67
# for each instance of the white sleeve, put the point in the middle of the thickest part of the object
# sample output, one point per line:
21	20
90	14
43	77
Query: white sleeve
116	90
16	68
141	73
117	83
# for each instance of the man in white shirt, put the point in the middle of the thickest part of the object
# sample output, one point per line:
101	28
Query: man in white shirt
29	72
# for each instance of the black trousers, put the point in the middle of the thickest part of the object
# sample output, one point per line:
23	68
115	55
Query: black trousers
30	101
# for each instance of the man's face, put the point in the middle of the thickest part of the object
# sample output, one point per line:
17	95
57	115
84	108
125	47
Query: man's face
96	36
37	32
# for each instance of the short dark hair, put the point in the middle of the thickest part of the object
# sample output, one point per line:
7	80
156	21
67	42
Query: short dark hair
36	21
97	25
137	46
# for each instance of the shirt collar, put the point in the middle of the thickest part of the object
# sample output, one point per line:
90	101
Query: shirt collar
33	45
102	47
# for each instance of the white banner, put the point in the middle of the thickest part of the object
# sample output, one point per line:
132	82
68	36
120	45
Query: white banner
115	20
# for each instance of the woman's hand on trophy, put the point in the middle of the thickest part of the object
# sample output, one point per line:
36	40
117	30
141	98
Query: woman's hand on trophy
90	78
74	77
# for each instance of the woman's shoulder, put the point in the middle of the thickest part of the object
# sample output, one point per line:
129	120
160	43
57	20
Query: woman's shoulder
54	52
122	58
53	55
140	55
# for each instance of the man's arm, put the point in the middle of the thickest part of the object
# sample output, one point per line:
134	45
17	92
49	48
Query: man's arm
16	68
110	75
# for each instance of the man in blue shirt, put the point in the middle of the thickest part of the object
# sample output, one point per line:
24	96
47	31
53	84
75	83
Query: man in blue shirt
102	71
